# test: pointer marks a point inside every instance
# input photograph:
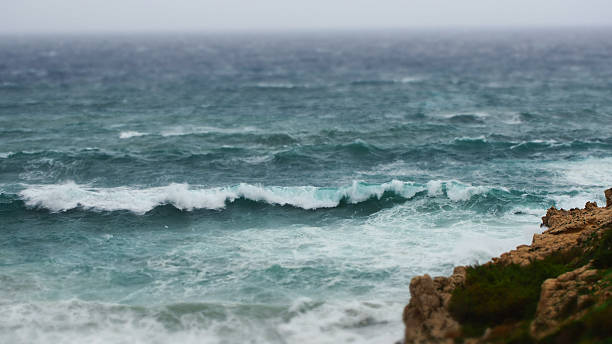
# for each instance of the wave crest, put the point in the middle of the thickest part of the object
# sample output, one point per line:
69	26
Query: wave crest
66	196
130	133
70	195
456	191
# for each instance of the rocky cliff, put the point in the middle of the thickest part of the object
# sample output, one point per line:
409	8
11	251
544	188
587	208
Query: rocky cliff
553	290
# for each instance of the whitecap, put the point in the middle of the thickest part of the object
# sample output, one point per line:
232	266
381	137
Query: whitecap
591	172
549	143
408	79
514	118
257	159
455	190
130	133
69	195
189	130
434	188
480	138
462	192
479	115
279	84
77	321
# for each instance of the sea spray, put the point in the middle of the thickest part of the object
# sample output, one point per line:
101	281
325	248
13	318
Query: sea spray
69	195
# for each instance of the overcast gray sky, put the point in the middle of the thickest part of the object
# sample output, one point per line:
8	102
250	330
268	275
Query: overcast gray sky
198	15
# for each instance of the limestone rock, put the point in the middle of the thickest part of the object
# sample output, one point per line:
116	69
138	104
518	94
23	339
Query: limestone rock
426	317
560	300
567	229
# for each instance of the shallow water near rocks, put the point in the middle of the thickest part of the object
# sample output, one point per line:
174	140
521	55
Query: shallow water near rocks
279	188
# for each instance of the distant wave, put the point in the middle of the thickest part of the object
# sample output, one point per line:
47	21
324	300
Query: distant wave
383	81
61	197
477	117
590	173
373	82
408	79
471	115
130	133
528	146
284	85
481	139
69	195
536	143
457	191
191	130
281	85
188	130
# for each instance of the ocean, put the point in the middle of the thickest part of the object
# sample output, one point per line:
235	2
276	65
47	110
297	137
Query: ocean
279	187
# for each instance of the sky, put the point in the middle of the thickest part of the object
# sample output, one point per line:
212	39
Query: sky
219	15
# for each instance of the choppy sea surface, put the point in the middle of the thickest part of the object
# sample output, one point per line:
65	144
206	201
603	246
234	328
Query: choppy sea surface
279	188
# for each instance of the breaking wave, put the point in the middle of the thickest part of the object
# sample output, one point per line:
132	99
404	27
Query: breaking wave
70	195
130	133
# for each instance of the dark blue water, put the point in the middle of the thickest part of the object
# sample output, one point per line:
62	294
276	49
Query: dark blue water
282	188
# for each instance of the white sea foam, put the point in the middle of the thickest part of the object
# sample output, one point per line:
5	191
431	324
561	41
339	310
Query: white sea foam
527	211
257	159
573	201
479	115
408	79
591	172
130	133
456	190
4	155
513	118
343	322
434	188
480	138
549	143
279	84
62	197
462	192
577	182
76	321
69	195
190	130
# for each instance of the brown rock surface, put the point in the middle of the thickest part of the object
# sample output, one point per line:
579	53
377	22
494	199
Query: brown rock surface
566	230
561	300
427	317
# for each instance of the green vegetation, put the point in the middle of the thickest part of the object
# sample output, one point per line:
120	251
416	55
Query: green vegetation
495	294
505	297
602	255
592	328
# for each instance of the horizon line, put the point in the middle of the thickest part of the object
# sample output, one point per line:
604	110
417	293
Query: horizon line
273	30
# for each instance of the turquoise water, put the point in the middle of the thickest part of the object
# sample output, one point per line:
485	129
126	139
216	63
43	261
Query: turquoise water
279	188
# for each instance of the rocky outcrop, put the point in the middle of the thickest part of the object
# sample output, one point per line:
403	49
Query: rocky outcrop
427	317
567	229
563	299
